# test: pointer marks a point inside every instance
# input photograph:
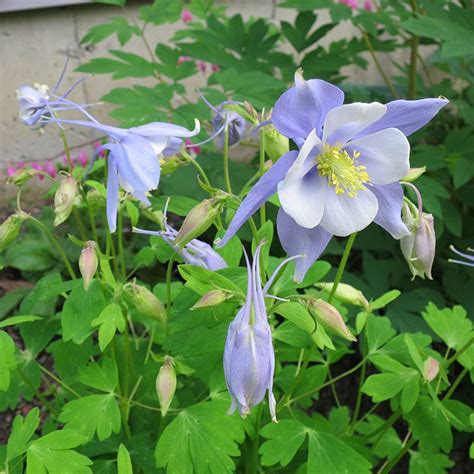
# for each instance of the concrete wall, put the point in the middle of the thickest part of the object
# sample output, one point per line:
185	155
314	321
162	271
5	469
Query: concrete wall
35	43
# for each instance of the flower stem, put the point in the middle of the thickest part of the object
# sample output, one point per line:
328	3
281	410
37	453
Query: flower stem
414	41
461	351
120	246
66	149
59	381
261	171
55	242
169	271
359	395
226	161
203	174
342	265
255	444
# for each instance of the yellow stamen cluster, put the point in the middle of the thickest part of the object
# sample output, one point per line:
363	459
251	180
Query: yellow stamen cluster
342	170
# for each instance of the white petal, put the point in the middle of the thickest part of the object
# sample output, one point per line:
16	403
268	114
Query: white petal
386	155
346	121
344	215
303	199
306	158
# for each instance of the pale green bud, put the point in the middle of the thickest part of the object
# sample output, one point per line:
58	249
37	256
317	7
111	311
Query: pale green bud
166	384
212	298
88	263
276	145
329	317
414	174
345	294
10	229
148	303
65	198
430	369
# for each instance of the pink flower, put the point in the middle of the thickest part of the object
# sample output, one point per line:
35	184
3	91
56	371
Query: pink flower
368	6
101	152
215	67
82	158
50	168
11	170
184	59
193	149
350	3
38	167
186	16
202	66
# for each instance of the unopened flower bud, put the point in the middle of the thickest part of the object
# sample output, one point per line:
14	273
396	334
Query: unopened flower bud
21	176
329	317
10	228
276	145
65	198
212	298
198	220
419	246
345	294
88	262
414	174
147	303
170	164
430	369
166	384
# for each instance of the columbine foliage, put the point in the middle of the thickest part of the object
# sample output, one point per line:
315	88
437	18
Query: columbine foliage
142	322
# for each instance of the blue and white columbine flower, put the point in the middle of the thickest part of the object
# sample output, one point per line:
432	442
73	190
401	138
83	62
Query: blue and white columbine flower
194	252
346	173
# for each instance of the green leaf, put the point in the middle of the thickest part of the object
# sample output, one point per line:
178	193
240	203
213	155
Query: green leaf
109	320
297	314
162	11
18	320
118	3
450	324
385	299
102	377
7	360
410	393
116	25
91	414
201	440
80	309
284	440
379	332
53	454
384	386
22	431
414	352
124	463
429	463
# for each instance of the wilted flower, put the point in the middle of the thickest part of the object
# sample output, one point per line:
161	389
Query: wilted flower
194	252
249	360
346	293
222	119
329	317
468	257
430	369
65	199
88	263
148	303
19	175
166	384
10	229
347	171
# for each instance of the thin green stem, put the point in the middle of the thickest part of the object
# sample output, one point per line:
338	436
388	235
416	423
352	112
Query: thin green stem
169	272
226	161
414	41
254	230
461	351
359	396
201	171
342	265
55	242
381	430
438	383
79	224
261	171
66	149
256	441
59	381
455	384
333	388
120	246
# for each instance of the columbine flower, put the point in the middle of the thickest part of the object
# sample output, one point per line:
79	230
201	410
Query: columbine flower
468	257
38	167
50	168
82	158
186	16
347	171
368	6
350	3
132	161
194	252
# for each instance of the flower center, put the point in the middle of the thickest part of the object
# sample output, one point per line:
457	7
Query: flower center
342	170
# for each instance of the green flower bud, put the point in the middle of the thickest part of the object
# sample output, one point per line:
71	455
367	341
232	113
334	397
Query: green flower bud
88	263
345	294
169	164
329	317
166	384
414	174
276	145
22	176
65	198
198	220
147	303
430	369
10	228
212	298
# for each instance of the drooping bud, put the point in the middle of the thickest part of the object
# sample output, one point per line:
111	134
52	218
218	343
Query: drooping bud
166	384
10	228
198	220
430	369
223	118
419	246
147	303
329	317
345	294
414	174
65	198
21	176
212	298
88	262
276	145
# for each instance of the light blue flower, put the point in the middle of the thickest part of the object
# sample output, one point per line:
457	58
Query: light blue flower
346	173
195	252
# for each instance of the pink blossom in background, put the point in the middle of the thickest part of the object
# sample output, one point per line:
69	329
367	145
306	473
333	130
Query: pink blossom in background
202	66
11	170
184	59
215	67
368	6
50	168
82	158
186	16
350	3
101	152
191	148
38	167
